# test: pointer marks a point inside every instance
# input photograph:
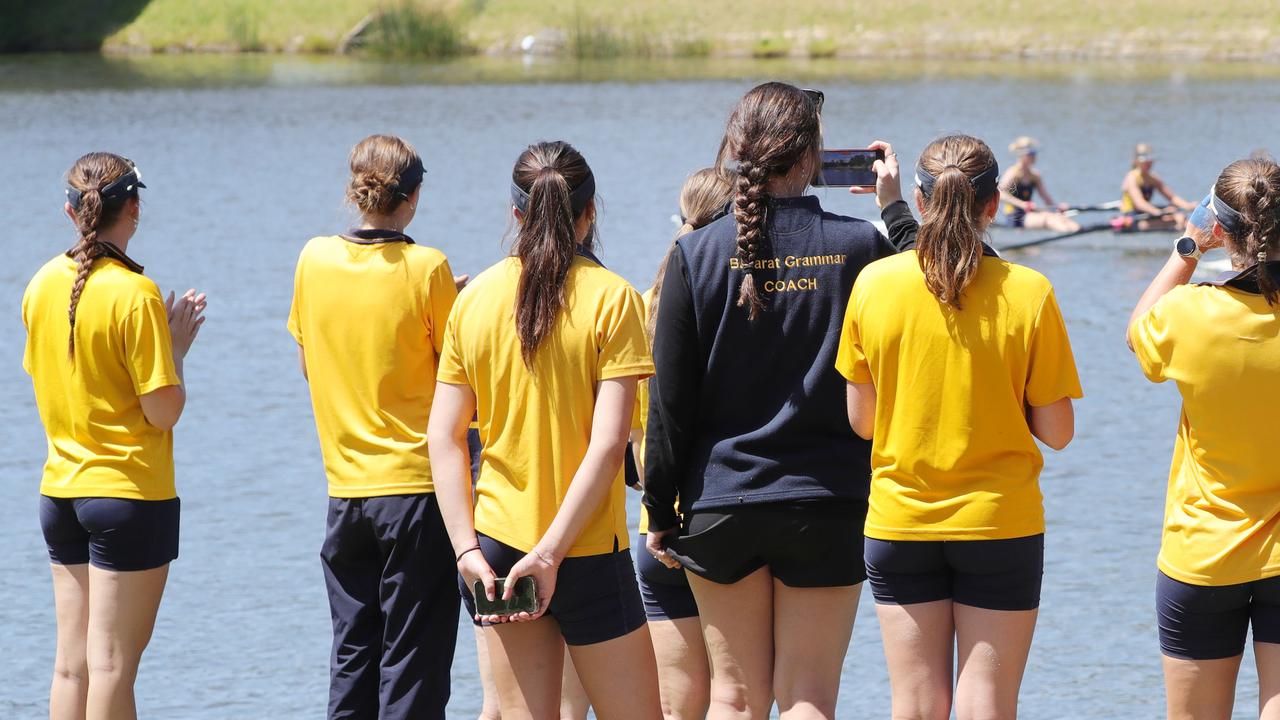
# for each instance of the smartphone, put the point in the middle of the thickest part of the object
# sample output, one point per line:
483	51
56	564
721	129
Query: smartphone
525	598
847	168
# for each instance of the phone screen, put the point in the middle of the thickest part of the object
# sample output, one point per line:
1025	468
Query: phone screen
848	168
525	598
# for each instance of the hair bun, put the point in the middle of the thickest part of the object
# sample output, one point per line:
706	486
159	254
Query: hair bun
372	191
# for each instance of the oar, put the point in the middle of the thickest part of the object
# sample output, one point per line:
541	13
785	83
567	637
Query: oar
1077	209
1063	236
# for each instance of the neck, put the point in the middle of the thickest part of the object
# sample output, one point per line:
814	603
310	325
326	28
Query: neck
786	186
116	236
382	222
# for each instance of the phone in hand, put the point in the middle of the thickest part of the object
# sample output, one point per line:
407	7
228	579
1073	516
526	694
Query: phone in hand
524	599
848	168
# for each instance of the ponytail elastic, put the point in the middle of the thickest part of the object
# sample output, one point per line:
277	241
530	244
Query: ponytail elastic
985	183
579	197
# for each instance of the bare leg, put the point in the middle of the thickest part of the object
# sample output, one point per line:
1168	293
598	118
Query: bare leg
737	624
1200	689
70	687
684	676
620	676
573	697
527	660
918	650
1268	658
1050	221
992	648
122	614
489	709
808	656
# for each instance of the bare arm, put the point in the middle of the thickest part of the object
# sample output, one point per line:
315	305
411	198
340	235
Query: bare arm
1134	192
302	364
163	407
860	400
1054	424
1044	191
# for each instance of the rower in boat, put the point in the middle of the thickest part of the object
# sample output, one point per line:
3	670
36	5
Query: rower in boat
1017	191
1140	185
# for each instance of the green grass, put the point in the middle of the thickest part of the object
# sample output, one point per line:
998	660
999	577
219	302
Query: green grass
770	47
694	28
410	28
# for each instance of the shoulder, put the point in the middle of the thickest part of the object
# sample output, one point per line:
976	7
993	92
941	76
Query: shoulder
720	235
318	246
599	279
905	263
490	281
113	274
1021	278
430	258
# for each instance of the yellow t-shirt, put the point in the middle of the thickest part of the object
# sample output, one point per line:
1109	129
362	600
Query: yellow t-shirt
370	319
952	456
642	407
535	426
100	443
1222	512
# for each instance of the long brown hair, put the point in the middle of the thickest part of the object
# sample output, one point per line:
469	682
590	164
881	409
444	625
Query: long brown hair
377	164
90	174
774	127
546	241
704	194
949	242
1252	188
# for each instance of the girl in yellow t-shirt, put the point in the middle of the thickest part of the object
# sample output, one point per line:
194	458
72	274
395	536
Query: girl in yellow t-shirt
545	349
955	361
368	314
105	352
1219	563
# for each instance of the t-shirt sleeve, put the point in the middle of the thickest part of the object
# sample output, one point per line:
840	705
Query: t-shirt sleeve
1151	339
441	293
28	352
451	369
624	346
295	307
851	361
148	347
1051	371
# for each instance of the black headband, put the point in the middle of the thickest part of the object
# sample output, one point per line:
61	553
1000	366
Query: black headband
410	179
578	197
984	183
125	186
1231	221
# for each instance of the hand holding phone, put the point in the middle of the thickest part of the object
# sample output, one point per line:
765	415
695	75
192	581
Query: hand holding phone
523	598
848	168
888	184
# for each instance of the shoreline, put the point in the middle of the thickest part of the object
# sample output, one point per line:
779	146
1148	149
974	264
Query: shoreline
1180	31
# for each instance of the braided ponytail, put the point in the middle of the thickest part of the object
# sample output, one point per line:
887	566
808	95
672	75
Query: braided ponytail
749	209
89	175
1252	188
774	128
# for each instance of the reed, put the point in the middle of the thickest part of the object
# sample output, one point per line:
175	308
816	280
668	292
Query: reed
411	29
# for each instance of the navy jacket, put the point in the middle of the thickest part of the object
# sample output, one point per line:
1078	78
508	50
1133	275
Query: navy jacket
748	411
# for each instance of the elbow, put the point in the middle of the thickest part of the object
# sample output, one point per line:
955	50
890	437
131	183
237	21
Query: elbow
165	419
1060	439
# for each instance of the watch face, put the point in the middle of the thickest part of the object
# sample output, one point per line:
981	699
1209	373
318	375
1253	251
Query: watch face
1186	246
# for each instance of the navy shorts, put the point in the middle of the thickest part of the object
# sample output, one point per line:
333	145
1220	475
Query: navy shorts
110	533
987	574
596	597
665	591
812	543
1210	622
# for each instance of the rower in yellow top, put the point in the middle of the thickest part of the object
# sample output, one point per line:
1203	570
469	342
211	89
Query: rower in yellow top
105	353
369	309
1219	562
1017	192
546	348
1140	185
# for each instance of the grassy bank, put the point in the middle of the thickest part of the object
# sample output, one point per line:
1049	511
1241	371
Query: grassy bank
1223	29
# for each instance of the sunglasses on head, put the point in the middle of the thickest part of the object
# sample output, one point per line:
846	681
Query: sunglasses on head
817	97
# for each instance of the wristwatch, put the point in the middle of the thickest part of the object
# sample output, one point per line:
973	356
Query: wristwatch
1187	248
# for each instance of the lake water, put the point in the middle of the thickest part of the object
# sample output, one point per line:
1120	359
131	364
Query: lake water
246	159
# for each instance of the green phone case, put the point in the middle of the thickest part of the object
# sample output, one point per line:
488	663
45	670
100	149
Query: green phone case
525	598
